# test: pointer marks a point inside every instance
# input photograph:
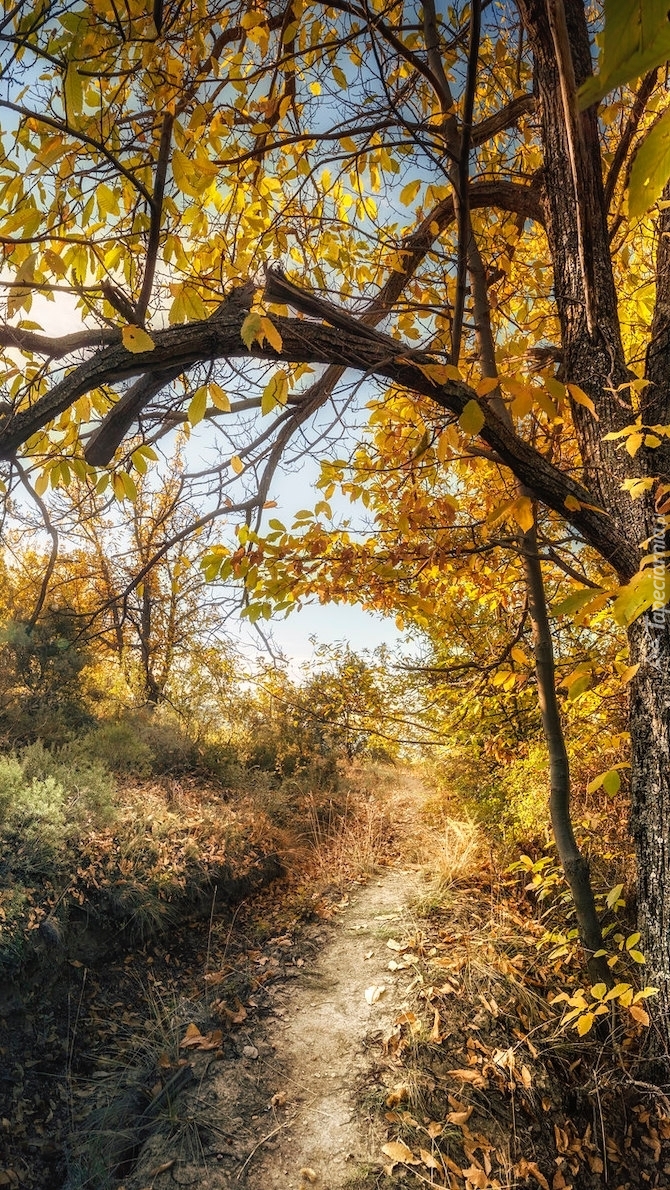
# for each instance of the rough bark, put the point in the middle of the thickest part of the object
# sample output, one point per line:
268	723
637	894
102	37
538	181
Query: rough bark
649	639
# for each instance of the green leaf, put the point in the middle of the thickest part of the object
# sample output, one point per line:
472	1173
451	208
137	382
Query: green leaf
612	782
74	94
472	418
251	328
636	38
614	893
651	169
575	602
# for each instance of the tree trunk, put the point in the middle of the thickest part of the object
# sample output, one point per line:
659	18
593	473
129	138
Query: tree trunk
574	864
649	639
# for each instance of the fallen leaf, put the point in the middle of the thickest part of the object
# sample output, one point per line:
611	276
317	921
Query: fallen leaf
373	993
279	1099
369	954
524	1168
249	1051
310	1175
434	1129
470	1076
192	1036
393	945
406	1018
459	1117
435	1035
476	1177
162	1168
398	1151
429	1161
397	1095
194	1039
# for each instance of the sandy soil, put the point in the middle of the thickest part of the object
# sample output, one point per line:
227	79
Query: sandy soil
281	1111
324	1036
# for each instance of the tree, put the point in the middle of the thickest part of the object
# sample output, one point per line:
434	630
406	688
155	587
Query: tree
158	160
145	602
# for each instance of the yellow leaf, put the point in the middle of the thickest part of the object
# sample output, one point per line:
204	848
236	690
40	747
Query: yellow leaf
237	464
269	331
584	1023
198	405
582	398
42	483
472	418
522	511
274	393
410	191
74	96
572	503
487	386
315	88
136	340
633	443
219	398
398	1151
440	373
340	77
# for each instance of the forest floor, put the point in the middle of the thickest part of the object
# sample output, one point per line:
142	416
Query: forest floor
380	1018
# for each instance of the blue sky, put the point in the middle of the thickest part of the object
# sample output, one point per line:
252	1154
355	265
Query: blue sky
292	489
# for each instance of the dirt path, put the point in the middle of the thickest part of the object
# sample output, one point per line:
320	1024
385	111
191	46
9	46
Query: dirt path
325	1026
281	1111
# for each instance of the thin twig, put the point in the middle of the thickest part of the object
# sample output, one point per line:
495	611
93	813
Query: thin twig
259	1145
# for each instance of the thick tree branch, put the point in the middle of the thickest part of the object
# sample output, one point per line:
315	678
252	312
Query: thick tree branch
356	348
58	346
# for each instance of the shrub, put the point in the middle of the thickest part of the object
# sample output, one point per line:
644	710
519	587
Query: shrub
118	746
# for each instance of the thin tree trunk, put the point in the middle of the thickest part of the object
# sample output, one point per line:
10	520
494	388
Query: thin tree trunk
574	864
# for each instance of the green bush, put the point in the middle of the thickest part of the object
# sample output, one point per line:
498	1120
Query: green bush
86	780
118	746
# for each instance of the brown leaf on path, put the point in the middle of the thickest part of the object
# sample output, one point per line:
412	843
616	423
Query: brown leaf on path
397	1095
194	1039
192	1036
434	1129
279	1099
526	1168
435	1035
470	1076
459	1117
309	1174
429	1161
399	1152
476	1177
